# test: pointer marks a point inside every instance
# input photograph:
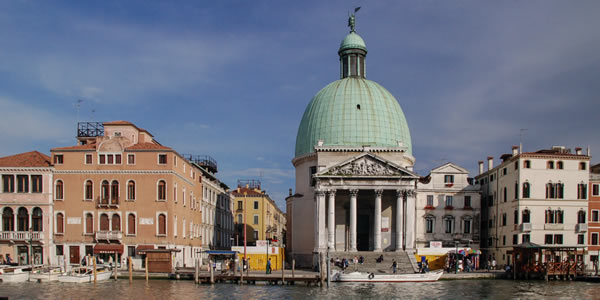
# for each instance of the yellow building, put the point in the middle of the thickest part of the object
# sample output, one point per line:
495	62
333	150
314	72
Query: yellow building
264	220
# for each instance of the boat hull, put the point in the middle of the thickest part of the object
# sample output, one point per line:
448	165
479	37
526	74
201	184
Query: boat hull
14	277
84	277
369	277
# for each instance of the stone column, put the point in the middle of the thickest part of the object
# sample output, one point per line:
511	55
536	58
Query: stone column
399	218
353	194
377	226
410	219
331	221
320	243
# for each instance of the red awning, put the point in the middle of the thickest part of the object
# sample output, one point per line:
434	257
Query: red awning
140	249
108	248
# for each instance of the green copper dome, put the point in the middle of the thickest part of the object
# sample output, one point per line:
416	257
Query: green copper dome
353	111
353	41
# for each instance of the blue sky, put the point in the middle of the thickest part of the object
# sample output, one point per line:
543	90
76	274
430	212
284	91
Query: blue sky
231	79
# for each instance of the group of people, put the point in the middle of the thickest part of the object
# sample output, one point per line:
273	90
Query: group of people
6	261
463	264
344	263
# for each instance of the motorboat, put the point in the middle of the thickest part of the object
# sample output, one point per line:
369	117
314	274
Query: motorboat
85	274
372	277
14	274
45	274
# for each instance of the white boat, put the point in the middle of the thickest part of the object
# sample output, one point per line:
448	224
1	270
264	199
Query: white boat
45	274
14	274
85	274
372	277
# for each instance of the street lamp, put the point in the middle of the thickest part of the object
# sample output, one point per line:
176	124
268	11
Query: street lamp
267	261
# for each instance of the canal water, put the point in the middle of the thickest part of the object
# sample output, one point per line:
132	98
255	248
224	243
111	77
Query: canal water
168	289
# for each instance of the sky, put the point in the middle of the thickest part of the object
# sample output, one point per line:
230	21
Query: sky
231	79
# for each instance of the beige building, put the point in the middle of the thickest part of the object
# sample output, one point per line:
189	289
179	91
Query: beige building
120	191
26	208
264	220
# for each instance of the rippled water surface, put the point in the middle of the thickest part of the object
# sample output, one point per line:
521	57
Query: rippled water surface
167	289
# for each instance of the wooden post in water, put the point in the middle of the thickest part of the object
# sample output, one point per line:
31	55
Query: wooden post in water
94	269
212	273
146	268
116	264
282	272
321	271
130	269
65	262
293	267
196	271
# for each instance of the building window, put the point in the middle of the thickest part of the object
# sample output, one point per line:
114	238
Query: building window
525	238
131	159
581	217
162	159
449	201
116	222
429	201
595	215
58	159
595	189
516	165
8	219
467	226
558	239
59	190
37	219
467	201
559	165
503	219
131	190
429	224
527	164
104	225
240	219
515	239
550	165
114	192
548	239
555	190
504	171
60	250
102	159
255	220
89	223
526	190
448	179
110	160
104	192
580	239
255	235
60	223
162	191
36	183
131	224
594	238
162	224
8	183
88	193
582	191
504	194
449	224
88	159
22	184
582	166
312	179
503	240
554	216
255	204
240	205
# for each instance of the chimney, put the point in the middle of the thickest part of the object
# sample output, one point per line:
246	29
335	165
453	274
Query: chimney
515	150
290	192
578	150
490	162
480	167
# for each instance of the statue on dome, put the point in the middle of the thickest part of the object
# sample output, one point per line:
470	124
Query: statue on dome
352	20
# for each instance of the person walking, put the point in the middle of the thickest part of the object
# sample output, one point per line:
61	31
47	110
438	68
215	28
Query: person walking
394	266
269	266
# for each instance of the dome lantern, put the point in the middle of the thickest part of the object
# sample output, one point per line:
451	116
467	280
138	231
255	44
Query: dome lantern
352	52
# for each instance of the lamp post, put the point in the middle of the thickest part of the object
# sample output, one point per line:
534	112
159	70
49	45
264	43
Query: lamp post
267	261
456	257
244	213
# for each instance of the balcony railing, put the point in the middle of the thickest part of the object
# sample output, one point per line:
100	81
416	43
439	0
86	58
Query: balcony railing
21	236
582	227
525	227
108	235
107	203
554	226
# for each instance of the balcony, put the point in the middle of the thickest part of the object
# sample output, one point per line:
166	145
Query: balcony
108	236
526	227
581	228
107	203
554	226
23	236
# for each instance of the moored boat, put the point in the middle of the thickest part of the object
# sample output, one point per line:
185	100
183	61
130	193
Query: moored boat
85	274
45	274
372	277
13	274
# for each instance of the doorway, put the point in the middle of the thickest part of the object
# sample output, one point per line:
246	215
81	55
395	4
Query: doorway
363	232
74	254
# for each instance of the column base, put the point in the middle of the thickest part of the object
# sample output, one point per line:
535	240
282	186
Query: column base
399	250
352	250
377	250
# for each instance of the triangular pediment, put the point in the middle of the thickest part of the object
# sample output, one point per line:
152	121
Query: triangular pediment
450	168
367	165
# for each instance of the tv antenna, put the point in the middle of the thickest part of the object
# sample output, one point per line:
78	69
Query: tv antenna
78	105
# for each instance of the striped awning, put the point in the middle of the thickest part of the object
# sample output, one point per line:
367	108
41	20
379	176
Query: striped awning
108	248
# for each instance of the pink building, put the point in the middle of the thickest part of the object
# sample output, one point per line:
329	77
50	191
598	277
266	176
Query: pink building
26	206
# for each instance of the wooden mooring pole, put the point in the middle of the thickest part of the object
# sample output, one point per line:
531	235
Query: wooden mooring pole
293	267
116	264
146	268
94	269
130	267
283	273
212	273
196	272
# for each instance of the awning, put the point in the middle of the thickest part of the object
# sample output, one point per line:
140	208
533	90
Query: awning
141	249
220	252
108	248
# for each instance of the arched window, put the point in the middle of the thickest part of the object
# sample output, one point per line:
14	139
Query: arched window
516	217
581	217
36	219
22	219
162	190
449	224
581	191
104	226
550	165
429	224
116	222
526	190
114	192
105	192
527	164
162	224
131	224
549	216
89	190
559	165
60	225
240	219
89	223
526	216
8	219
467	222
131	190
59	190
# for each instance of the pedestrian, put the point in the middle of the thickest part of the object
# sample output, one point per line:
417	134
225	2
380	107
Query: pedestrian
269	266
489	264
394	266
361	259
494	263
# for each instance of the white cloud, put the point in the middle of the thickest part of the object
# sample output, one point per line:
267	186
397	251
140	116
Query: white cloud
22	121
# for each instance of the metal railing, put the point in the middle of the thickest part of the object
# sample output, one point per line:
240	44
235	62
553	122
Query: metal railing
90	129
21	235
108	235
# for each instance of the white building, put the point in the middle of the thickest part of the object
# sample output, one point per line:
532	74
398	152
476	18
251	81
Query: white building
448	208
538	197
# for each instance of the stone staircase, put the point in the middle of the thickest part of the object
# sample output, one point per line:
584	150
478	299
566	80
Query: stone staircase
403	259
